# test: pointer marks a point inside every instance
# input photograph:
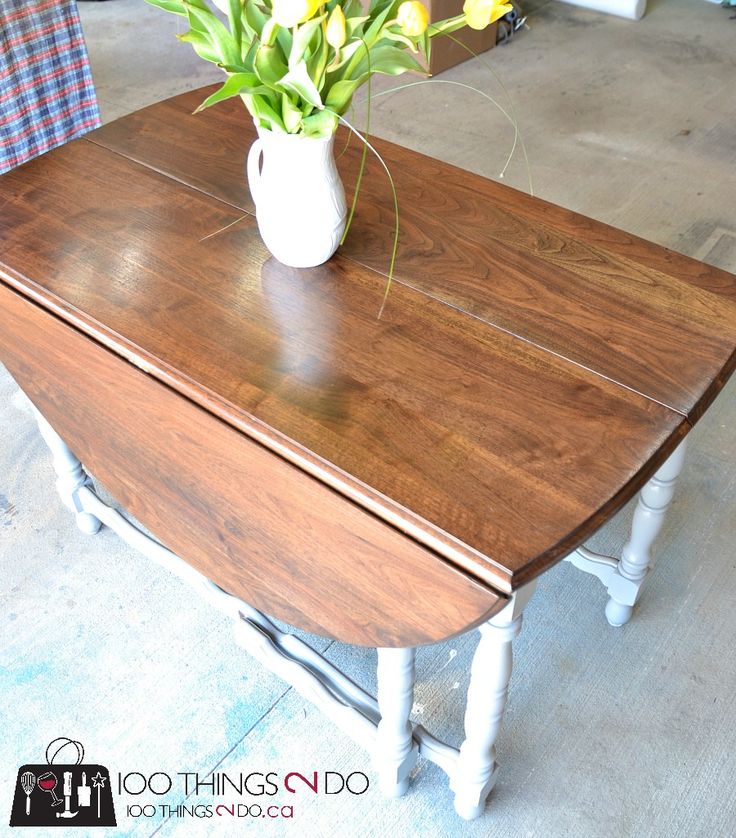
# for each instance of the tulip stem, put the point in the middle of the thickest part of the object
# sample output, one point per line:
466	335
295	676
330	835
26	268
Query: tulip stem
485	96
368	145
349	137
512	118
365	148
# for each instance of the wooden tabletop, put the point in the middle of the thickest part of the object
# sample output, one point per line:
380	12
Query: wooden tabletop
531	370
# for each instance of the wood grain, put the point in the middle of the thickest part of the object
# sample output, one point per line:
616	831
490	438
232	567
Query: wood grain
650	319
497	454
245	518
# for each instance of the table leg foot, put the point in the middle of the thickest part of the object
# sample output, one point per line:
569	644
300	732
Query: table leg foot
396	751
476	768
87	523
618	614
636	560
70	475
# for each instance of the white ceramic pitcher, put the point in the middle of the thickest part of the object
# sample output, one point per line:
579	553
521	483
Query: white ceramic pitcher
299	197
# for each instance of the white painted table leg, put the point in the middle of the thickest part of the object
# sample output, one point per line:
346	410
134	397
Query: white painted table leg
476	768
636	559
396	751
69	473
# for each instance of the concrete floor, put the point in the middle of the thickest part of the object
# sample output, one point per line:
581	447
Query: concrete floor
610	732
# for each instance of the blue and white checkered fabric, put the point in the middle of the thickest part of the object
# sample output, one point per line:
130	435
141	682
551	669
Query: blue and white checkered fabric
46	91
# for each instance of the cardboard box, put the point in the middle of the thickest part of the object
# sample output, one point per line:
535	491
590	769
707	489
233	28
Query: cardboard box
446	53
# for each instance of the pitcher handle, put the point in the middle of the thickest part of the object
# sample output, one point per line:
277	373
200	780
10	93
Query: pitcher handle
254	169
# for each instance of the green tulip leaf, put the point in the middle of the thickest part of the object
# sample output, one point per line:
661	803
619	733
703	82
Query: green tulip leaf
341	94
236	85
353	9
377	5
174	6
321	124
270	64
317	64
374	30
389	60
346	53
291	114
445	27
235	18
302	39
283	36
270	32
354	24
221	40
202	5
395	34
255	17
426	41
297	81
264	114
201	45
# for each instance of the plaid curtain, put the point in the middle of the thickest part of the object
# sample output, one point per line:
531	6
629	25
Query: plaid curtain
46	91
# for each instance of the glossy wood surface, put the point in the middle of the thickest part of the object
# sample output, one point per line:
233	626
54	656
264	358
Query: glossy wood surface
493	452
651	319
258	527
531	370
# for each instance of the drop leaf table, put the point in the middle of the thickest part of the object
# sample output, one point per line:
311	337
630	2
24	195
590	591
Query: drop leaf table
386	482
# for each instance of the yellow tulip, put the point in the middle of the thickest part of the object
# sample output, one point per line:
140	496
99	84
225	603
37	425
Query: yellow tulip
413	18
481	13
288	13
335	31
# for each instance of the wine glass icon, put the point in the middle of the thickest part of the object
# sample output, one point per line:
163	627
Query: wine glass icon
47	782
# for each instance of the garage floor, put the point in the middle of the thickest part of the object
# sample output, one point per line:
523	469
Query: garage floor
610	732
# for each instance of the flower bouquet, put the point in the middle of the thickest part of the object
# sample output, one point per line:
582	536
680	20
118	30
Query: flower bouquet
297	64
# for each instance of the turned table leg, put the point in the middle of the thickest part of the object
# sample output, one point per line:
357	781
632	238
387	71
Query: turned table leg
396	751
70	475
636	560
490	673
